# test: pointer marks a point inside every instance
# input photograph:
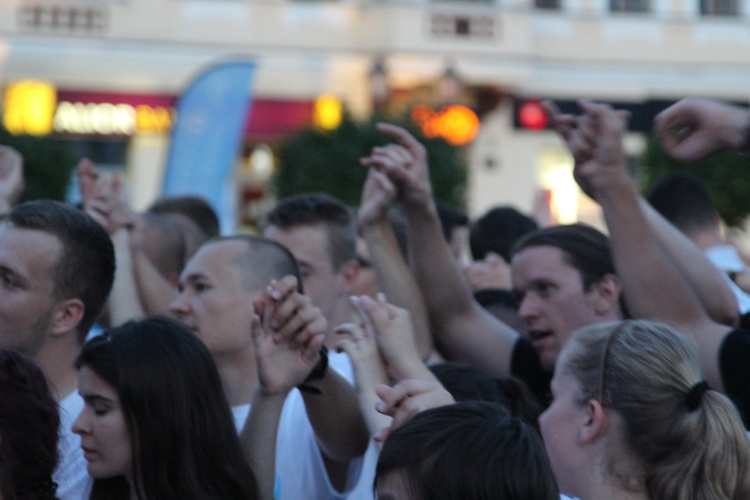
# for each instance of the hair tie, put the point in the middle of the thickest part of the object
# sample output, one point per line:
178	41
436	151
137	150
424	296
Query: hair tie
695	395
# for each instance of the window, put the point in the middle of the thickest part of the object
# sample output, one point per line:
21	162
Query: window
719	7
547	4
629	5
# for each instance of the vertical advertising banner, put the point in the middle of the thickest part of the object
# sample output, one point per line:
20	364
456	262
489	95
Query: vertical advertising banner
207	133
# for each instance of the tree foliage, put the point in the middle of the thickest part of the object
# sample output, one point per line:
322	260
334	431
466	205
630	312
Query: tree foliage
726	176
48	165
313	160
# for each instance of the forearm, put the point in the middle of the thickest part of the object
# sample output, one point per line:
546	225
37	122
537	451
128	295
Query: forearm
336	418
124	302
258	439
155	292
653	287
462	328
705	280
396	281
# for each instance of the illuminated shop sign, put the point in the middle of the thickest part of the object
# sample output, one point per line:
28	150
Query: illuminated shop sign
109	119
37	108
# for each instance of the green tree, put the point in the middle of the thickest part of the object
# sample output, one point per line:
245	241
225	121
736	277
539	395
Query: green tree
328	162
48	165
726	176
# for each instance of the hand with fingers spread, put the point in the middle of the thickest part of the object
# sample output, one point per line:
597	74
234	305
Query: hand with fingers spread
11	178
405	164
694	129
594	138
406	399
492	272
285	360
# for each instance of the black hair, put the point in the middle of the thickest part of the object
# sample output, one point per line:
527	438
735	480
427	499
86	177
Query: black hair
181	429
469	383
450	218
29	423
195	208
86	265
584	248
318	209
468	451
683	200
497	231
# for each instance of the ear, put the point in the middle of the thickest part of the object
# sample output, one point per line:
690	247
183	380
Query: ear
66	316
595	425
607	295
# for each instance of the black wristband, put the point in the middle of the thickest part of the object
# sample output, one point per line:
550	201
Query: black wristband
317	373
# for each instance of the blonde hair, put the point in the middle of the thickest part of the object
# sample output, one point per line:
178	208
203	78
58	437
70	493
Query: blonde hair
644	371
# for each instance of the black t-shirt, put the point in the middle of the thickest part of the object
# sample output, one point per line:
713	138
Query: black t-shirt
734	364
525	365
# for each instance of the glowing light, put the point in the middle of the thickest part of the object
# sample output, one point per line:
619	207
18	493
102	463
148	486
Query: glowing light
328	112
531	115
457	124
28	107
111	119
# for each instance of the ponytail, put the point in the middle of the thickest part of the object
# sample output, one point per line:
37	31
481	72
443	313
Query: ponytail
687	440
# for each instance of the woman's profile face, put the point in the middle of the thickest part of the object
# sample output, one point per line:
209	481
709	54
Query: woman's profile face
105	439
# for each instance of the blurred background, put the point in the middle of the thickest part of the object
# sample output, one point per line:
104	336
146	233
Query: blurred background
101	78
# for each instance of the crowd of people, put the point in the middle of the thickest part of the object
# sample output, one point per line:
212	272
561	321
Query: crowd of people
352	355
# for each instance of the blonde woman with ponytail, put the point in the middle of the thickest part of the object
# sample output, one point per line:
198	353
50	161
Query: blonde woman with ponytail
632	418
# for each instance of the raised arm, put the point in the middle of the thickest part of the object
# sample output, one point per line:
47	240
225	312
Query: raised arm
463	329
653	286
331	402
393	273
281	365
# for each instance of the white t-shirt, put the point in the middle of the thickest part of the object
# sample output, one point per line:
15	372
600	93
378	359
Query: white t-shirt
300	471
73	481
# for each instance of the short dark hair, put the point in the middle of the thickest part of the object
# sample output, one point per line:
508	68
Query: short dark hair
180	425
469	383
497	231
264	261
450	218
196	208
683	200
29	423
584	248
318	209
468	451
86	267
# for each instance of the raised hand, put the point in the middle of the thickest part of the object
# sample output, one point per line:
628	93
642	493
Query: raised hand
288	333
405	164
406	399
377	196
694	129
594	138
11	178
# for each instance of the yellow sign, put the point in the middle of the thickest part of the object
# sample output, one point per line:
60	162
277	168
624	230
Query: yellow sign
457	124
109	119
28	107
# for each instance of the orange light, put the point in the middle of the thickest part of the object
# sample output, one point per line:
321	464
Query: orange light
328	112
457	124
